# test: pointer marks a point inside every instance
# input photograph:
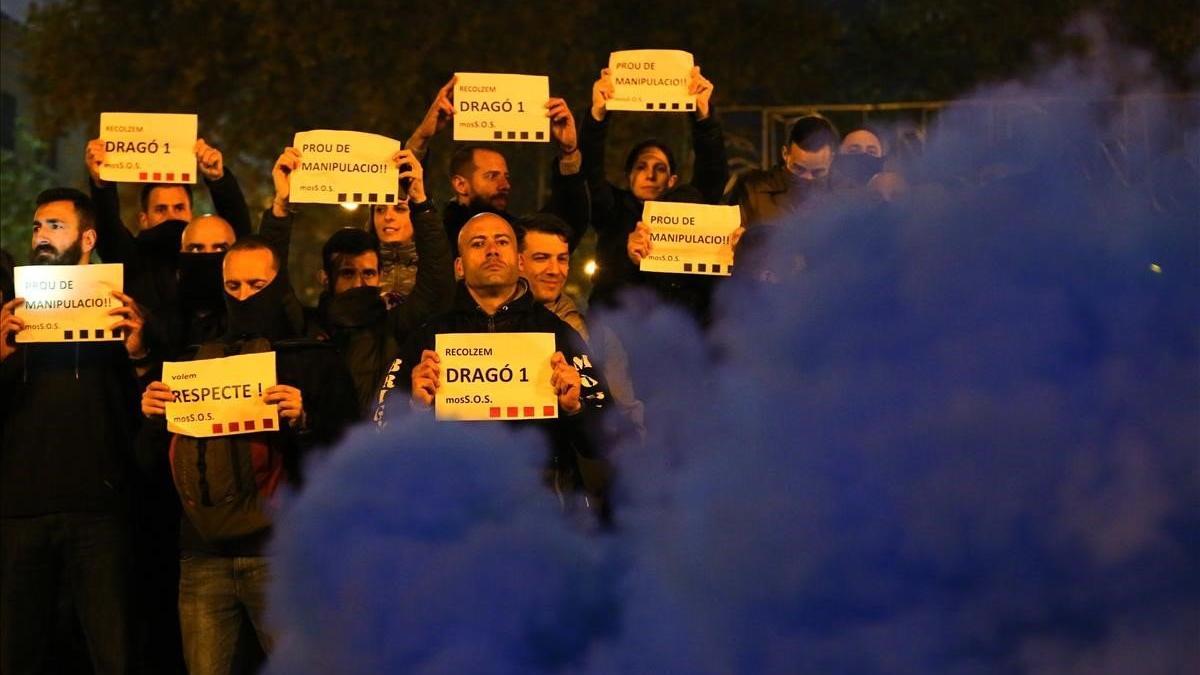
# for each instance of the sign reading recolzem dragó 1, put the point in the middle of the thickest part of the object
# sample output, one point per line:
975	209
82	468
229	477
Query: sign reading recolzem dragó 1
148	147
495	376
690	238
221	397
501	107
68	303
337	167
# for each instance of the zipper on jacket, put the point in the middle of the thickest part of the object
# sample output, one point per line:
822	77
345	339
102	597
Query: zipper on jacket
202	469
76	360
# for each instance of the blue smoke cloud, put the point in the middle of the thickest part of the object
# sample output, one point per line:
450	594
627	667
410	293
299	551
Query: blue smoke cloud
958	435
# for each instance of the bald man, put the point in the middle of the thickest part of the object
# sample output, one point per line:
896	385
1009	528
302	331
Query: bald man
493	298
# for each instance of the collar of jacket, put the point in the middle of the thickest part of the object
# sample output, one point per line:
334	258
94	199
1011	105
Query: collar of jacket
775	181
521	300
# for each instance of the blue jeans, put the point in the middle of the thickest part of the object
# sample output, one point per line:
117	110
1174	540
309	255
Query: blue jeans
216	596
87	553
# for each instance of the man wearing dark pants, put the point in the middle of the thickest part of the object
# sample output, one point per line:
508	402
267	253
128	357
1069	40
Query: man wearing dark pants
67	420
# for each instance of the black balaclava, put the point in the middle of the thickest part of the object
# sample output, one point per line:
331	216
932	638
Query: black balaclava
163	240
354	308
260	315
858	168
200	281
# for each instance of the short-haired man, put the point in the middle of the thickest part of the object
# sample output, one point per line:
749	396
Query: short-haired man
224	568
479	174
651	170
806	160
67	420
494	298
545	253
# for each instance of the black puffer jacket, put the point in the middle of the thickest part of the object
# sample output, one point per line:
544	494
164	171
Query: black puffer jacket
577	441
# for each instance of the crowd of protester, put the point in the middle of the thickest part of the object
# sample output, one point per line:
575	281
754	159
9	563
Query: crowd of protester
156	543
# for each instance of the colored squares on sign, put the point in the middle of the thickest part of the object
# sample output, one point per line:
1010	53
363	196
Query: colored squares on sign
249	425
498	135
157	175
186	177
548	410
540	135
234	427
342	197
649	106
689	106
99	333
512	411
143	176
389	198
687	267
494	411
218	428
512	135
524	135
373	197
68	335
528	411
268	423
83	334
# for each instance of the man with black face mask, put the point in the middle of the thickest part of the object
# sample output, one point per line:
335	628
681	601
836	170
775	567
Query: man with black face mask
67	420
154	254
354	310
223	564
804	172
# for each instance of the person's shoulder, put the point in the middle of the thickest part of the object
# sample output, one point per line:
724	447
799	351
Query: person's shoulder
763	179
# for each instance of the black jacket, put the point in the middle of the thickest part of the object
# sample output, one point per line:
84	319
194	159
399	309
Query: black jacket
328	394
615	212
366	333
577	441
68	415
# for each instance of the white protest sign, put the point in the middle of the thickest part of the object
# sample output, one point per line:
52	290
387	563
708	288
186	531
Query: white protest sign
495	376
68	303
344	166
497	107
221	397
148	147
651	79
690	238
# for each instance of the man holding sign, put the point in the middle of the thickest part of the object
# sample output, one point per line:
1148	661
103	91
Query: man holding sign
494	300
65	453
232	450
155	255
479	174
650	167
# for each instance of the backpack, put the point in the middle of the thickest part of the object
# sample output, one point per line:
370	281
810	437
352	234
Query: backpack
226	482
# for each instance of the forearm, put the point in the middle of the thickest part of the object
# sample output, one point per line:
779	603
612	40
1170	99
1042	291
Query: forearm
229	202
712	167
114	242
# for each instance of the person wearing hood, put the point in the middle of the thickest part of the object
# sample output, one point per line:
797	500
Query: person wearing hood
67	422
166	209
365	320
493	298
479	174
224	566
651	170
803	173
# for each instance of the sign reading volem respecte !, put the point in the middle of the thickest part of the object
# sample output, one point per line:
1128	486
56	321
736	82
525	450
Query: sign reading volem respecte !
690	238
221	397
148	147
68	303
337	167
501	107
495	376
651	80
